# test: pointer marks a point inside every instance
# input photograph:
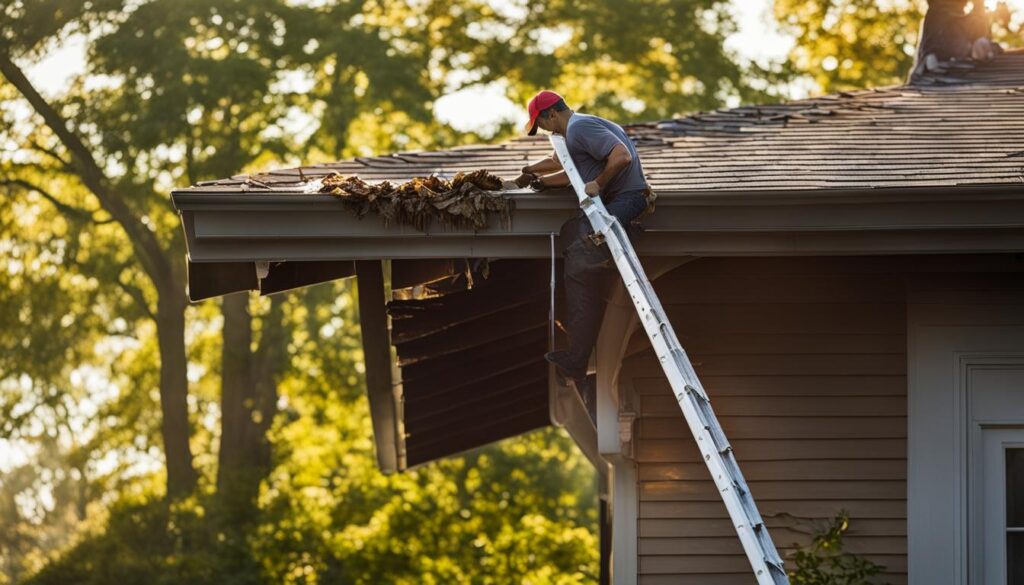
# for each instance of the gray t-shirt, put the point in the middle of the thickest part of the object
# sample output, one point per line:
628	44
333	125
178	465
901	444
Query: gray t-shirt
590	140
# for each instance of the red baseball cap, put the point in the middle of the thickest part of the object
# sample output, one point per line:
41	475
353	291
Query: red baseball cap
540	102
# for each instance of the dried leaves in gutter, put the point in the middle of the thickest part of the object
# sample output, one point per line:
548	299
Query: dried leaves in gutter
463	202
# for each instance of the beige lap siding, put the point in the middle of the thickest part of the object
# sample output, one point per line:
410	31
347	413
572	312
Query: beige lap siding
805	363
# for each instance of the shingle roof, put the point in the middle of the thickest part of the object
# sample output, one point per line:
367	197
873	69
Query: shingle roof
963	128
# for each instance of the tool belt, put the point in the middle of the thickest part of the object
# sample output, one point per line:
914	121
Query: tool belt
651	197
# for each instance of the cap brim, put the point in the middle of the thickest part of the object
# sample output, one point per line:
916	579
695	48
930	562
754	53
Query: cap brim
531	126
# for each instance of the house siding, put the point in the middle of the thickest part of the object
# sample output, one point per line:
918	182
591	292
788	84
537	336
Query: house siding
805	363
963	328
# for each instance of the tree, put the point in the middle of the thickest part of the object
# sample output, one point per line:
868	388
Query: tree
194	91
849	44
853	44
524	507
635	60
55	254
71	154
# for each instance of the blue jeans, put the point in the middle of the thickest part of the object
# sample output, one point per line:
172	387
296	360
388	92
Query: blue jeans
588	274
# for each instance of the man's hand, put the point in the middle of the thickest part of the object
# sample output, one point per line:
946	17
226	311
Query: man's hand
524	179
591	188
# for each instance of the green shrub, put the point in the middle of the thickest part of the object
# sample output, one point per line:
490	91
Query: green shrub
825	563
153	543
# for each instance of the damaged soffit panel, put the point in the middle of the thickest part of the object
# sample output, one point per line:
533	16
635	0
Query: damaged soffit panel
472	359
213	279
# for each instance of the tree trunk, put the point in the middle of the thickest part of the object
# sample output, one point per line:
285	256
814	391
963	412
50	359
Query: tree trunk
170	324
248	401
160	267
236	390
271	360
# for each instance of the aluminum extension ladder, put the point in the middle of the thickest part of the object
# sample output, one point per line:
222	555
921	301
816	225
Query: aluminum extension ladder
694	402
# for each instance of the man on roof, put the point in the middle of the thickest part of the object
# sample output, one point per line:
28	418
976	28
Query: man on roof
610	167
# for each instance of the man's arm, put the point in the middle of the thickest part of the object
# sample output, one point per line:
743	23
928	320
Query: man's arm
618	159
559	179
544	166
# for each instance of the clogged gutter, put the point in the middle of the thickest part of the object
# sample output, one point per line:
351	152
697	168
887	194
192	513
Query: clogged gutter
466	201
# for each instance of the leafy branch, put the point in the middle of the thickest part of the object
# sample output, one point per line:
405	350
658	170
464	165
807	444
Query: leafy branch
66	209
825	563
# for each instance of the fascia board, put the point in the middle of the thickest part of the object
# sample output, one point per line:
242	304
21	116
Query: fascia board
276	227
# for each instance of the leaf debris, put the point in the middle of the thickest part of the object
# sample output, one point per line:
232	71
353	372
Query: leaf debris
463	202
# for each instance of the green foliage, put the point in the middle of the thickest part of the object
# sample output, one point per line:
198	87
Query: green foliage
63	322
151	542
509	509
855	44
825	562
1007	25
629	60
525	507
850	44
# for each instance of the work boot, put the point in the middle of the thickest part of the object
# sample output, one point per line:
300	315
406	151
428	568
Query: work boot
564	367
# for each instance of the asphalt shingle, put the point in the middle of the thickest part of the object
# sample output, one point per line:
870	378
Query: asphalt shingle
963	128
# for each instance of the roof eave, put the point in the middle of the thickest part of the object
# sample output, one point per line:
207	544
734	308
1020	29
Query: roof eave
196	198
289	227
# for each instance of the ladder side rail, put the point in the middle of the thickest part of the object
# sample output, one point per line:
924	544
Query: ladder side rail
740	484
702	402
725	473
693	401
657	325
722	474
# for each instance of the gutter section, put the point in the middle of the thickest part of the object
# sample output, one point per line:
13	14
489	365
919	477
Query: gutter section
295	227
